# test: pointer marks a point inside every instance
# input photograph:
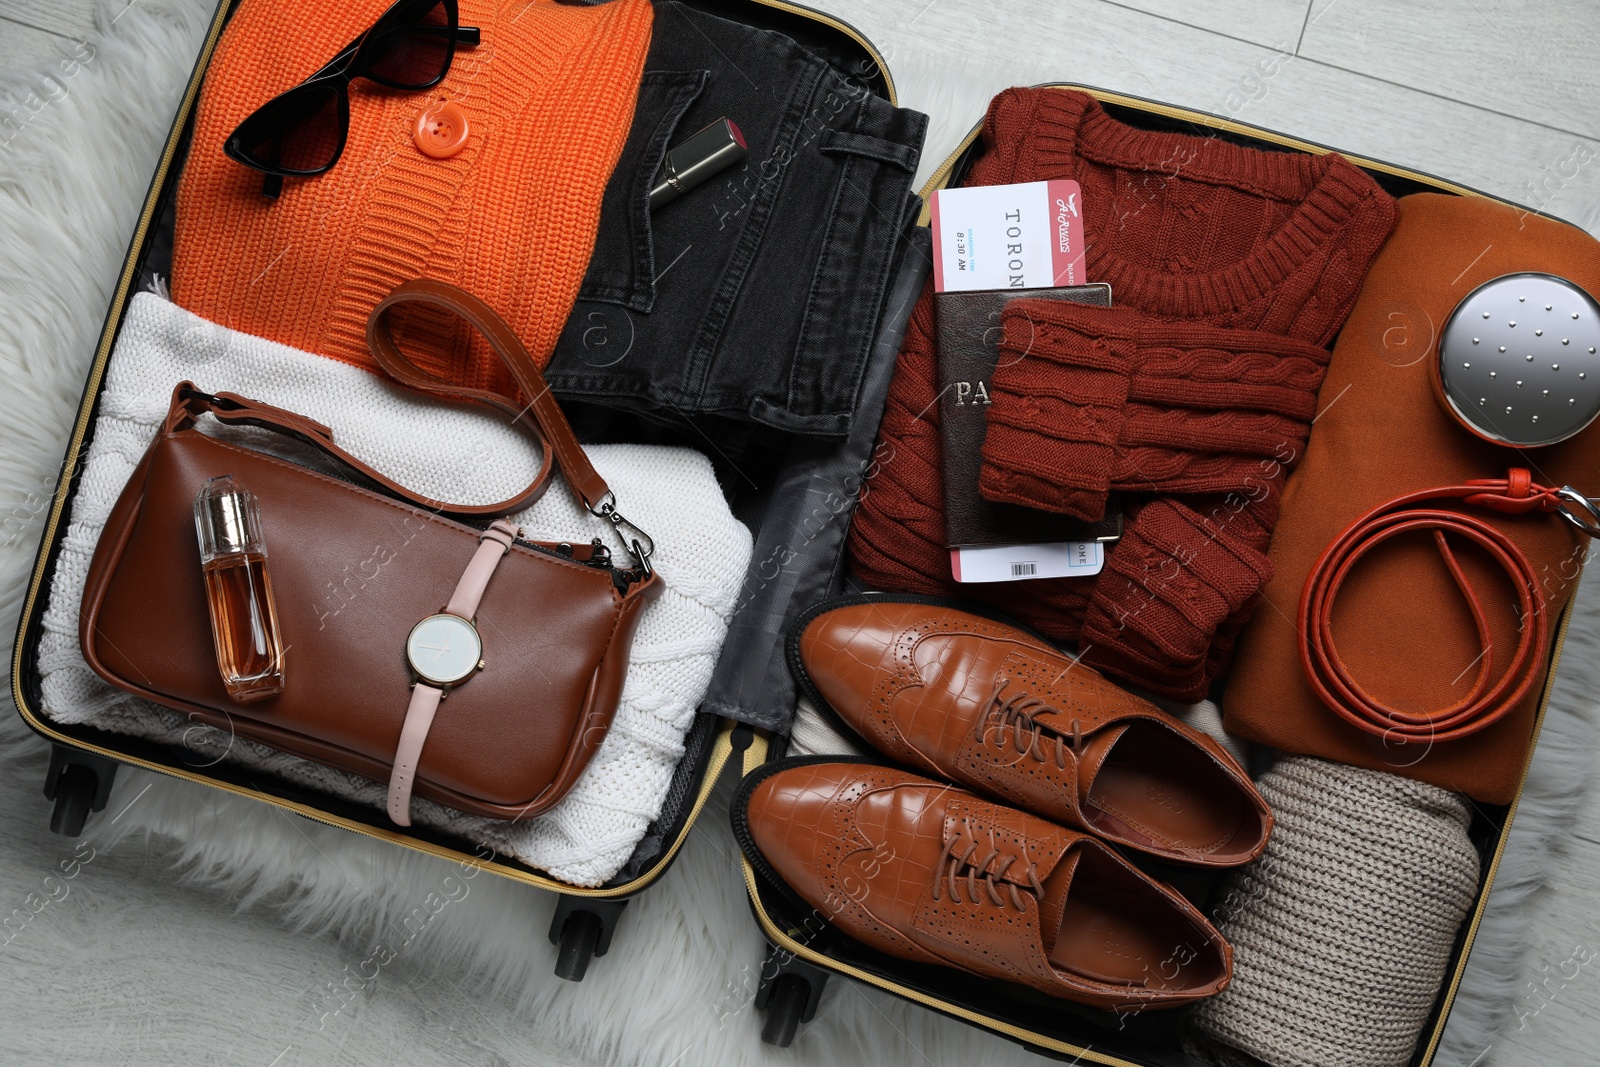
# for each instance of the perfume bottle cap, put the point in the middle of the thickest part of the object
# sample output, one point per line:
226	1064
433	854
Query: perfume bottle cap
1519	360
226	519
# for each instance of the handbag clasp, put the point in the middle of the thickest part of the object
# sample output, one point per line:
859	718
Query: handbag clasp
641	552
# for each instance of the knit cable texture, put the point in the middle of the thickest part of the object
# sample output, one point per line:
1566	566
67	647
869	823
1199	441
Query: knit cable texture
1342	930
1089	400
450	452
1186	229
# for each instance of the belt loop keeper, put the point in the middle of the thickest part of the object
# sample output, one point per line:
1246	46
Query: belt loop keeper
1519	480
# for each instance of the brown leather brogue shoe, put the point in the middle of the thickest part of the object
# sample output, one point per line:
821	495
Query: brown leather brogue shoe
986	705
931	873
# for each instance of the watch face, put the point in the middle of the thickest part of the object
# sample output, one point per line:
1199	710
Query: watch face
444	649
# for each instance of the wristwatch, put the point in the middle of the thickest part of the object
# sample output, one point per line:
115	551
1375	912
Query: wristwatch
443	650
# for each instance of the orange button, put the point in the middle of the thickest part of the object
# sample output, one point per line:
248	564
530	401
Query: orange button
441	130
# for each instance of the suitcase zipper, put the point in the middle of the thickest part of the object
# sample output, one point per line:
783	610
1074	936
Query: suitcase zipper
878	62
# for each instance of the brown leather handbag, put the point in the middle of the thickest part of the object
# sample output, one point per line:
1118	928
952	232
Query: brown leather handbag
553	622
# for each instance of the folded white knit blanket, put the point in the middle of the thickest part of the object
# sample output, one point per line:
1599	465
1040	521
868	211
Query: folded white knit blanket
451	452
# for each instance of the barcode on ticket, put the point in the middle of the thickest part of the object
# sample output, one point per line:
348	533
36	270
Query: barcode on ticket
1021	563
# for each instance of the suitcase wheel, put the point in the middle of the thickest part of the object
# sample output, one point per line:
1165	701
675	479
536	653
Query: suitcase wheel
74	793
79	783
581	930
579	935
787	1004
789	992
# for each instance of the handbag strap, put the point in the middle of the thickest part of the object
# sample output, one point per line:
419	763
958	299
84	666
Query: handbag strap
549	420
189	403
542	414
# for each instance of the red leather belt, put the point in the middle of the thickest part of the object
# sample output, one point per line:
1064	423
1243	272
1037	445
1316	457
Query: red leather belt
1489	699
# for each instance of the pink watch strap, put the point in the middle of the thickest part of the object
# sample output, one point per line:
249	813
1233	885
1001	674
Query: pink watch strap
496	542
419	718
492	547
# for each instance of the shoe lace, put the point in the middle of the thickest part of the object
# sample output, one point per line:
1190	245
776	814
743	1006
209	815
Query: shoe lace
961	867
1016	715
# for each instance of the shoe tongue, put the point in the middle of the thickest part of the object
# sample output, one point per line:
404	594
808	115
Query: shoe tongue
1054	901
1097	740
1095	751
1000	833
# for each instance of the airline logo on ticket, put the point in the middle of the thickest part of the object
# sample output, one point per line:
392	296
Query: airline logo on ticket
1025	236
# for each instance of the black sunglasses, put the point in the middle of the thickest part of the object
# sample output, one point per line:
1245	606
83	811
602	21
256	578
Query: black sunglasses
302	132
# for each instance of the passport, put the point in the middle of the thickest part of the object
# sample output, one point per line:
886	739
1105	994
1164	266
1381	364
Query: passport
968	337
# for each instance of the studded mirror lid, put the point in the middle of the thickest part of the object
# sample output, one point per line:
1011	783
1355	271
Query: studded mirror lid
1518	360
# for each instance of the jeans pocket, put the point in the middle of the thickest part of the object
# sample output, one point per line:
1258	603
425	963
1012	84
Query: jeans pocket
873	159
622	267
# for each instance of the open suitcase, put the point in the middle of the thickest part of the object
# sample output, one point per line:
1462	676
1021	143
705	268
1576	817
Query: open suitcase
804	951
750	683
746	715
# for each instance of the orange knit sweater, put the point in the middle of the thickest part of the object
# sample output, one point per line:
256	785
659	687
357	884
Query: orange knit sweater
549	96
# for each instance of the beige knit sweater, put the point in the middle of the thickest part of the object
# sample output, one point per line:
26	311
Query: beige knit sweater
1342	931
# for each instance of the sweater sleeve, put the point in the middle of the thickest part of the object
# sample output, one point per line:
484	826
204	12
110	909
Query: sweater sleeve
1090	400
1175	580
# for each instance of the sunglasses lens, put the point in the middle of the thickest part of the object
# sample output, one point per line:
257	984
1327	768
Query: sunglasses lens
411	46
299	132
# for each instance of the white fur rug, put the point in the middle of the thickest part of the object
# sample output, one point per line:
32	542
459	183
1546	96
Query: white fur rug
675	988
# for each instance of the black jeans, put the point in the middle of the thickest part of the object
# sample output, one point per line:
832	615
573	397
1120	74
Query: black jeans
749	304
798	556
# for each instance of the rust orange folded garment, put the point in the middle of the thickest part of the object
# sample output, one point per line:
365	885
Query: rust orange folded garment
1401	625
511	217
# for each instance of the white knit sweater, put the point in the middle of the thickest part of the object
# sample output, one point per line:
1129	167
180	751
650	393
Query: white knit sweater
450	452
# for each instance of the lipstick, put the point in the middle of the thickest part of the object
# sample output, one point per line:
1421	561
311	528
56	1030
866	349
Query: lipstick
695	159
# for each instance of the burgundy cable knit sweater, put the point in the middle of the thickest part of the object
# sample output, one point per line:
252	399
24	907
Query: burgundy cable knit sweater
1087	400
1208	247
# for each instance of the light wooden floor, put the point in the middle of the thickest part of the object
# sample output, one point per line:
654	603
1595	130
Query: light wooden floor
1496	95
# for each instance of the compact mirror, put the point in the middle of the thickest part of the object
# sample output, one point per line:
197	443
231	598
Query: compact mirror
1518	363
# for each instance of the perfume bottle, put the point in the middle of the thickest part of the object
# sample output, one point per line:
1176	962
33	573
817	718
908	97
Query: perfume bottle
233	557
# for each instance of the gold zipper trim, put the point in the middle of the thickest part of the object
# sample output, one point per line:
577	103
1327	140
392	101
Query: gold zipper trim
1505	835
119	300
781	938
846	29
97	370
107	335
722	746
